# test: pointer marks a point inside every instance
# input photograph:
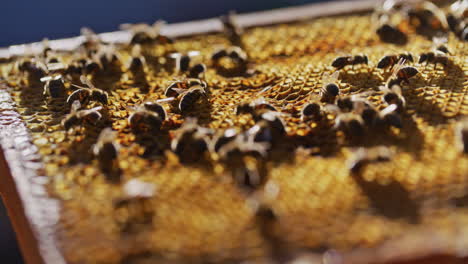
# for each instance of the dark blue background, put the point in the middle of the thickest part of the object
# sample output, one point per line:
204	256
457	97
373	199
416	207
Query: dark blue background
24	21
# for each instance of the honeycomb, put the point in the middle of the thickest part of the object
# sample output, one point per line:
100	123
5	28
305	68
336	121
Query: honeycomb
199	214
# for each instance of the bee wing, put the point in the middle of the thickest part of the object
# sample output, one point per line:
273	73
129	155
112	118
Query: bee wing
55	66
46	78
76	105
388	109
331	108
396	68
136	51
86	82
42	65
179	90
193	53
334	76
165	100
106	135
439	40
97	109
325	78
157	26
264	90
437	12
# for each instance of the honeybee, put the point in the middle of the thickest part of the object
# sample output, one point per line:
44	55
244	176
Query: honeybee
274	123
138	62
427	18
85	94
456	19
349	103
257	106
461	135
106	151
197	70
393	96
391	34
174	89
438	54
147	34
364	156
342	61
386	31
232	29
78	117
157	107
190	97
53	85
223	138
390	60
183	60
244	157
311	110
401	73
148	117
91	40
330	89
390	117
238	57
190	140
350	123
34	68
108	58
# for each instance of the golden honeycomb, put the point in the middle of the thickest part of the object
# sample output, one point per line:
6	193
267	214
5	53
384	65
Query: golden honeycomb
199	214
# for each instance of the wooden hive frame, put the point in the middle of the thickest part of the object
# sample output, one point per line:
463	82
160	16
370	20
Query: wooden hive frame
33	213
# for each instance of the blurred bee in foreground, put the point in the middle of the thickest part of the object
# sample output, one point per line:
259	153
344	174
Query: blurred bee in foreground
86	94
270	127
427	18
391	60
232	29
350	123
222	138
386	30
244	157
343	61
53	85
190	141
182	62
393	95
236	56
364	156
145	34
80	117
400	74
456	19
106	151
390	117
461	135
351	102
330	89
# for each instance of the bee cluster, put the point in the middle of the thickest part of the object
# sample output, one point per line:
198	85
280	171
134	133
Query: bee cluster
275	118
